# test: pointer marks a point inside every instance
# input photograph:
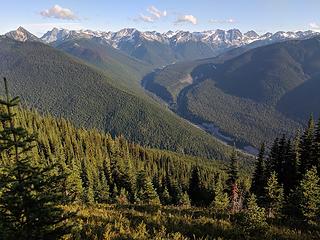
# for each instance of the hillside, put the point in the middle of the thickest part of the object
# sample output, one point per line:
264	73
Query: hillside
121	68
67	87
116	189
250	95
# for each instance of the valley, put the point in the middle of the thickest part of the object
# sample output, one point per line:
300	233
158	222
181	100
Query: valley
178	108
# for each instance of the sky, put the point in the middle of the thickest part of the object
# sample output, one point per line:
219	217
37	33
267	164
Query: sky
39	16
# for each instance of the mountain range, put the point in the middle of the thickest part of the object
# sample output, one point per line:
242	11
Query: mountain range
159	49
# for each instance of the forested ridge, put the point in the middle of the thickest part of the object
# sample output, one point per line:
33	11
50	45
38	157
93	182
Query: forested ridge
59	181
253	95
67	87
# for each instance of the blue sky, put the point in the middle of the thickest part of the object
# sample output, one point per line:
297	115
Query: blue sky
38	16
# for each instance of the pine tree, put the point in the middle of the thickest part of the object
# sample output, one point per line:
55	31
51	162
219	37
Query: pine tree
195	187
309	191
290	167
146	192
255	219
259	175
185	200
74	189
30	192
165	197
149	194
233	176
221	199
273	158
102	191
274	196
306	158
123	197
316	153
233	170
175	192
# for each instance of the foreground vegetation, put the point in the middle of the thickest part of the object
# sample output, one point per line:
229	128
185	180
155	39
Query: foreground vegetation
169	222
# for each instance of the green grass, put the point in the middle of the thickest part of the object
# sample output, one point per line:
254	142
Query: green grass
152	222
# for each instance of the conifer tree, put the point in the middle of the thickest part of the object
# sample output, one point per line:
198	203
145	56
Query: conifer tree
273	158
255	215
185	200
123	197
195	187
165	197
146	192
290	167
259	175
309	191
233	170
274	196
74	189
221	199
233	176
30	192
149	194
306	158
316	153
175	192
102	191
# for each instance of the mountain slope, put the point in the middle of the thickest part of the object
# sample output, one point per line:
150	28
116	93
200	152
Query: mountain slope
280	82
52	81
125	70
250	95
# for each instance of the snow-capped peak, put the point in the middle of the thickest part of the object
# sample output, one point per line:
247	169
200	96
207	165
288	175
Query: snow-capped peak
21	35
213	38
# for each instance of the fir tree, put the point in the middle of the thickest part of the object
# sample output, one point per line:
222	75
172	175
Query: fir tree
123	197
102	191
185	200
147	194
273	158
233	170
30	192
221	199
233	176
290	167
195	187
259	178
316	153
175	192
306	158
255	219
310	196
74	189
165	197
274	196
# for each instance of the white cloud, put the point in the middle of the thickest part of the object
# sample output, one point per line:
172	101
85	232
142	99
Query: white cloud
156	13
314	26
58	12
145	18
225	21
187	19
